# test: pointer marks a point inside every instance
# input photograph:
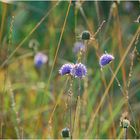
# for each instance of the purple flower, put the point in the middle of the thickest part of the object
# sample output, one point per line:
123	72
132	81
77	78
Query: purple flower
78	46
40	59
66	69
79	70
105	59
128	6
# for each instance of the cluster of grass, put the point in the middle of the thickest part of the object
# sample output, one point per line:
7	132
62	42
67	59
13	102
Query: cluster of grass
34	102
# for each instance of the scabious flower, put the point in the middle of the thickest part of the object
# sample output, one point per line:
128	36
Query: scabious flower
78	46
128	6
66	69
124	121
33	43
105	59
79	70
86	35
65	132
40	59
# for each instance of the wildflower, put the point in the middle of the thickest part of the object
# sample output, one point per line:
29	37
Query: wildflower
86	35
105	59
40	59
65	132
66	69
78	46
128	6
33	43
124	122
79	70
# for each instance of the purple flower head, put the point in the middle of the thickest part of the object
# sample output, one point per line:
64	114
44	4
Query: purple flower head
79	70
66	69
105	59
128	6
40	59
78	46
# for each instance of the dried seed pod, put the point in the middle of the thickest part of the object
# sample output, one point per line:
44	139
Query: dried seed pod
124	123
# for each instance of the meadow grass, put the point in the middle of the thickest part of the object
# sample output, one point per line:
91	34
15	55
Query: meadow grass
40	102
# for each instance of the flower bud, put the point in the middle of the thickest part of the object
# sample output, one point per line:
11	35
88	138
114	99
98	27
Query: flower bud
65	133
86	35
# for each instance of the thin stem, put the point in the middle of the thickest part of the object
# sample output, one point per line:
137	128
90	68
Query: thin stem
97	11
55	57
116	80
85	52
110	105
70	104
125	133
110	83
85	18
79	87
10	90
125	95
117	25
133	129
71	117
75	20
131	68
17	120
55	106
77	114
1	130
59	42
4	12
120	134
30	33
131	71
129	80
99	28
108	22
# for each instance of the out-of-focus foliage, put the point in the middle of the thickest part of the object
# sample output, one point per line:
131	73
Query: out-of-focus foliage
33	101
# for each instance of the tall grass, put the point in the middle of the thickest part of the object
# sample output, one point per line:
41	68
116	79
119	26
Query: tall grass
39	103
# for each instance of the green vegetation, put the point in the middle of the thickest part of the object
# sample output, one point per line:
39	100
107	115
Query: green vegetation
38	101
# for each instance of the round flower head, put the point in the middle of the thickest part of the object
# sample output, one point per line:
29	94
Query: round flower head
128	6
40	59
33	43
125	123
65	132
86	35
66	69
79	70
78	46
105	59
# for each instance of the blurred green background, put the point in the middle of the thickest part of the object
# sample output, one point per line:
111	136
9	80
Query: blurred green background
33	102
